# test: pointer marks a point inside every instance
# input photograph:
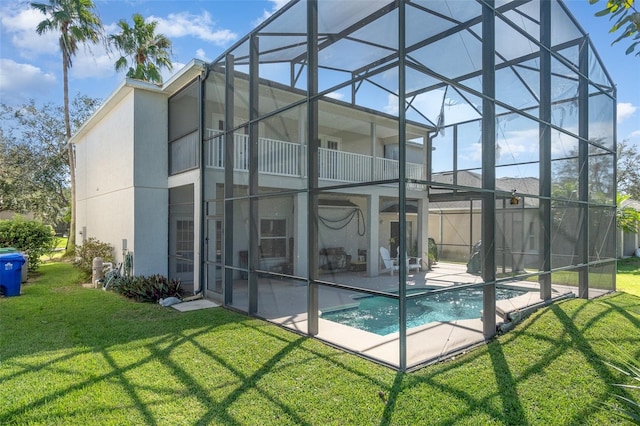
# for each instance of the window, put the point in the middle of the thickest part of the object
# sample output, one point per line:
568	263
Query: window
184	246
273	238
330	157
392	152
182	237
330	142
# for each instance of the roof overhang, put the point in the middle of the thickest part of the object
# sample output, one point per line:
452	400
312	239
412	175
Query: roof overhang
122	91
189	72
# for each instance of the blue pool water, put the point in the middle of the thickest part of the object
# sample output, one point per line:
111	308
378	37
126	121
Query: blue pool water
379	315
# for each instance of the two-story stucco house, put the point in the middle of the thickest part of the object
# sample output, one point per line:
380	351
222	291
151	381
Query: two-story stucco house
300	176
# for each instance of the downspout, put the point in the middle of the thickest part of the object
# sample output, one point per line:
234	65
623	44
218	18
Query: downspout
203	204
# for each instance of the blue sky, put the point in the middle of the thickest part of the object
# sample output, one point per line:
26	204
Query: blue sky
30	64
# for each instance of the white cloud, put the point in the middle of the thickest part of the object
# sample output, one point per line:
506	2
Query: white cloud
200	54
391	106
20	82
185	24
90	61
335	95
633	137
95	63
277	4
625	110
471	153
167	74
266	14
20	24
514	145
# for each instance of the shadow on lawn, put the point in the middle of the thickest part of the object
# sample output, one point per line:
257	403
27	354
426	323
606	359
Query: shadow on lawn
100	326
196	353
571	338
47	318
159	350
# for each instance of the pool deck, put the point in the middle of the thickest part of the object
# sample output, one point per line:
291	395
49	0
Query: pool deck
284	302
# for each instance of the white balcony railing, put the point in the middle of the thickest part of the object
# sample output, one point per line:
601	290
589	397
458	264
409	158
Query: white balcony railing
289	159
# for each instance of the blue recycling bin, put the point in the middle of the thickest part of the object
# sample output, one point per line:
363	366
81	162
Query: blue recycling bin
11	273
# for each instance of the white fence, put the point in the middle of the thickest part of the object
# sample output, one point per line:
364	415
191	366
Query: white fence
289	159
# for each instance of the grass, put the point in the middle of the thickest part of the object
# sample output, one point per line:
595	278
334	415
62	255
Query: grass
628	277
57	252
70	355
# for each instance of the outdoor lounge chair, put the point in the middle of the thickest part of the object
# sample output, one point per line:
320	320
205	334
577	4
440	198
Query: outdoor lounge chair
414	263
391	263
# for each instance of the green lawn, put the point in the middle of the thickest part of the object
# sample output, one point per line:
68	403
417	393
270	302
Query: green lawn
70	355
628	277
58	251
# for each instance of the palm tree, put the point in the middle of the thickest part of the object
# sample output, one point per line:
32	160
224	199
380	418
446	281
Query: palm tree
143	51
78	23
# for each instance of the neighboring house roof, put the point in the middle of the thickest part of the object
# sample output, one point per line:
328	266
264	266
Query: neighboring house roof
634	204
461	198
528	185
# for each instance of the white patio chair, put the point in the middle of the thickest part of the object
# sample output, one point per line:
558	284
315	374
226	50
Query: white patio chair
414	263
391	263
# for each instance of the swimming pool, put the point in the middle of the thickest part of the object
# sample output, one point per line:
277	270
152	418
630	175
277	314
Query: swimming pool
379	315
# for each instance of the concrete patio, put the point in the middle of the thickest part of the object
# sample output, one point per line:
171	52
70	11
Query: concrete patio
284	302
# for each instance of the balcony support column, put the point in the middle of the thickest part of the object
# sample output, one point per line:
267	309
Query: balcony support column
373	218
301	267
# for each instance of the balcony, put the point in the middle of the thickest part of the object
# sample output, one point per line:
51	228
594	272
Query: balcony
288	159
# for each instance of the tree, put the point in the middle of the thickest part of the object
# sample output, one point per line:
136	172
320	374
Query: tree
565	182
34	164
143	51
628	169
628	218
77	23
626	17
28	236
566	172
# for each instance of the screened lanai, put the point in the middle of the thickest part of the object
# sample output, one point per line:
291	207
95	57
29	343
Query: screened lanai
340	137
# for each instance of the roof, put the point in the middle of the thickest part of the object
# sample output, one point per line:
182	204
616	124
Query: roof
445	198
175	83
360	40
631	203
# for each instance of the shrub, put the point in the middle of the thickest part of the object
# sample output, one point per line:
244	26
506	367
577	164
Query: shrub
433	250
147	289
88	250
28	236
432	253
